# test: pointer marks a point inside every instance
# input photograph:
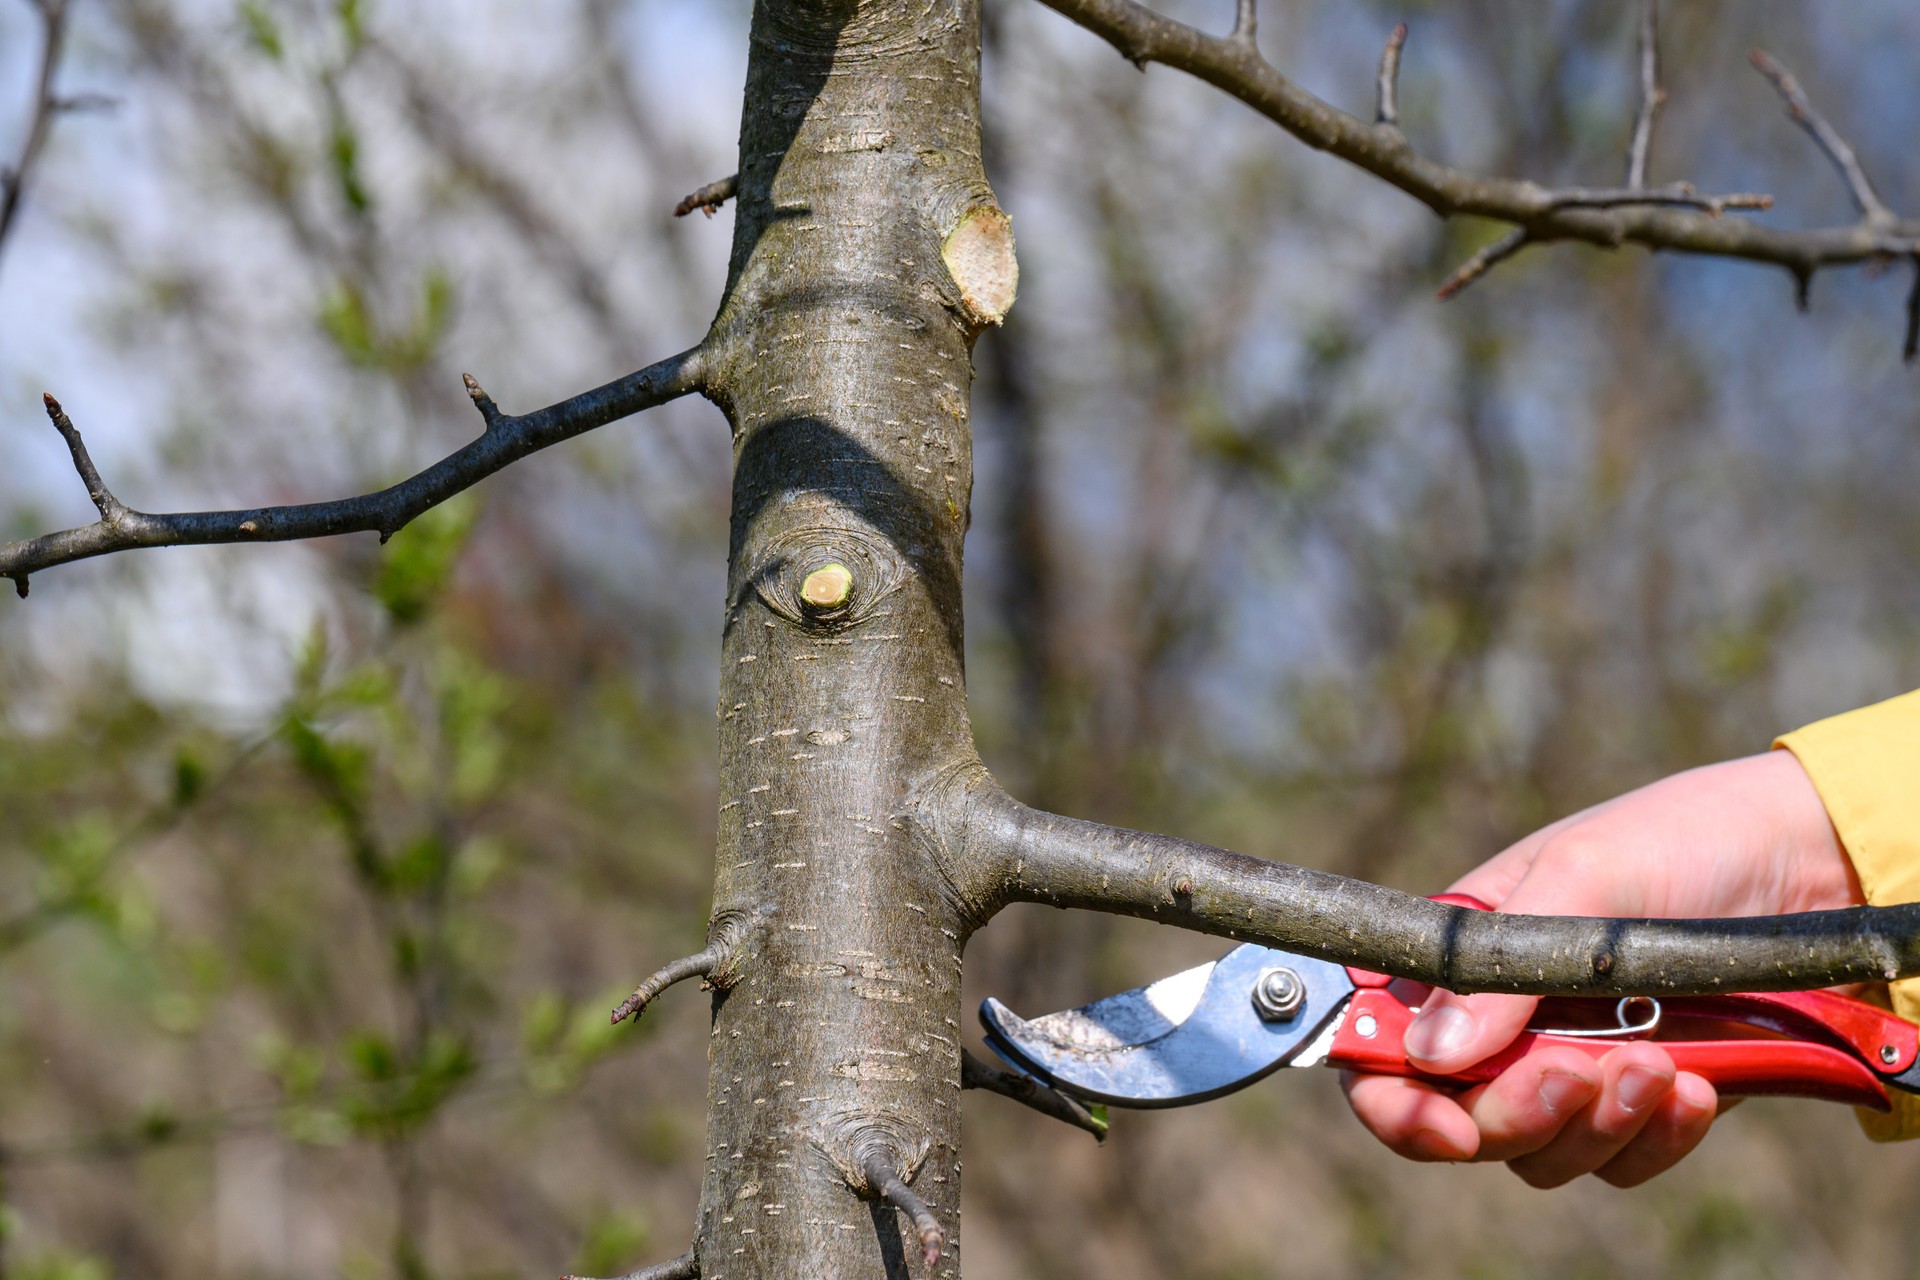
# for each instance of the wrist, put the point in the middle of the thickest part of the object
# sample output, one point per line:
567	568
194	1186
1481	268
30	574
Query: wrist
1816	871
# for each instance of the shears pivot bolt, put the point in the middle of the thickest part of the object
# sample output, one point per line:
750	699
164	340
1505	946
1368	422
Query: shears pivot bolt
1278	994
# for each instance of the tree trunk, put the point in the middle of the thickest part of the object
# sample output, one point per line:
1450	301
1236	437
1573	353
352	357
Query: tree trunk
867	256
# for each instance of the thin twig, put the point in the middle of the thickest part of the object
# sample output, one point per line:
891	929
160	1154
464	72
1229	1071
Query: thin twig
1652	97
1246	22
709	197
1911	346
13	179
684	1267
1388	109
1871	206
1024	1089
1484	261
698	965
888	1184
506	441
109	507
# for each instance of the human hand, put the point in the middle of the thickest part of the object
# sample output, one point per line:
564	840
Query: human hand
1748	837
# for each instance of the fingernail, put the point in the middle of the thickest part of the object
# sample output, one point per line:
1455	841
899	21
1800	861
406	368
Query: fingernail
1641	1088
1563	1091
1438	1033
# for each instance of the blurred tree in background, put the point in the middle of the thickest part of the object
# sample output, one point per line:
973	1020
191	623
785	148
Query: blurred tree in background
319	865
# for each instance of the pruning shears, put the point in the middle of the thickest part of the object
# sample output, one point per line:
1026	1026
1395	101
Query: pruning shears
1219	1027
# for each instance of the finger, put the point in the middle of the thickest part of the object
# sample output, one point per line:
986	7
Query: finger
1676	1128
1414	1120
1635	1081
1453	1032
1531	1102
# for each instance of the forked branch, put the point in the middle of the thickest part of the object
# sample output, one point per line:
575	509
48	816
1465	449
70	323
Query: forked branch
1673	217
507	439
1030	856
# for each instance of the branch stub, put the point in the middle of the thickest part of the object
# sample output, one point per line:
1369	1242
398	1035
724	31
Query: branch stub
978	254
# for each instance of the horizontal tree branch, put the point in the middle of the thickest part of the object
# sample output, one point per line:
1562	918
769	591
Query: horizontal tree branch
507	439
1064	862
1381	149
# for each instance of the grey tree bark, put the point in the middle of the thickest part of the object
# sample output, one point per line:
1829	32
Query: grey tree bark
861	839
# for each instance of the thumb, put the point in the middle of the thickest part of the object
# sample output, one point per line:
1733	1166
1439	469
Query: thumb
1453	1032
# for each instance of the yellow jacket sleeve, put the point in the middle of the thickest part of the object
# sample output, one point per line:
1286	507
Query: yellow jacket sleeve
1866	766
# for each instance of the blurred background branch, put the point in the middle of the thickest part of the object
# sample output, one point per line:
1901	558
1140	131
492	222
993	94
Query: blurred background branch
41	109
1656	218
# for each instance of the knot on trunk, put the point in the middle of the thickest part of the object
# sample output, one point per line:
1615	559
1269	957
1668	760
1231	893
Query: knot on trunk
860	1141
726	937
827	580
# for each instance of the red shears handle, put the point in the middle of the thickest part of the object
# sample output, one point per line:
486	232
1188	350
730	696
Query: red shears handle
1809	1044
